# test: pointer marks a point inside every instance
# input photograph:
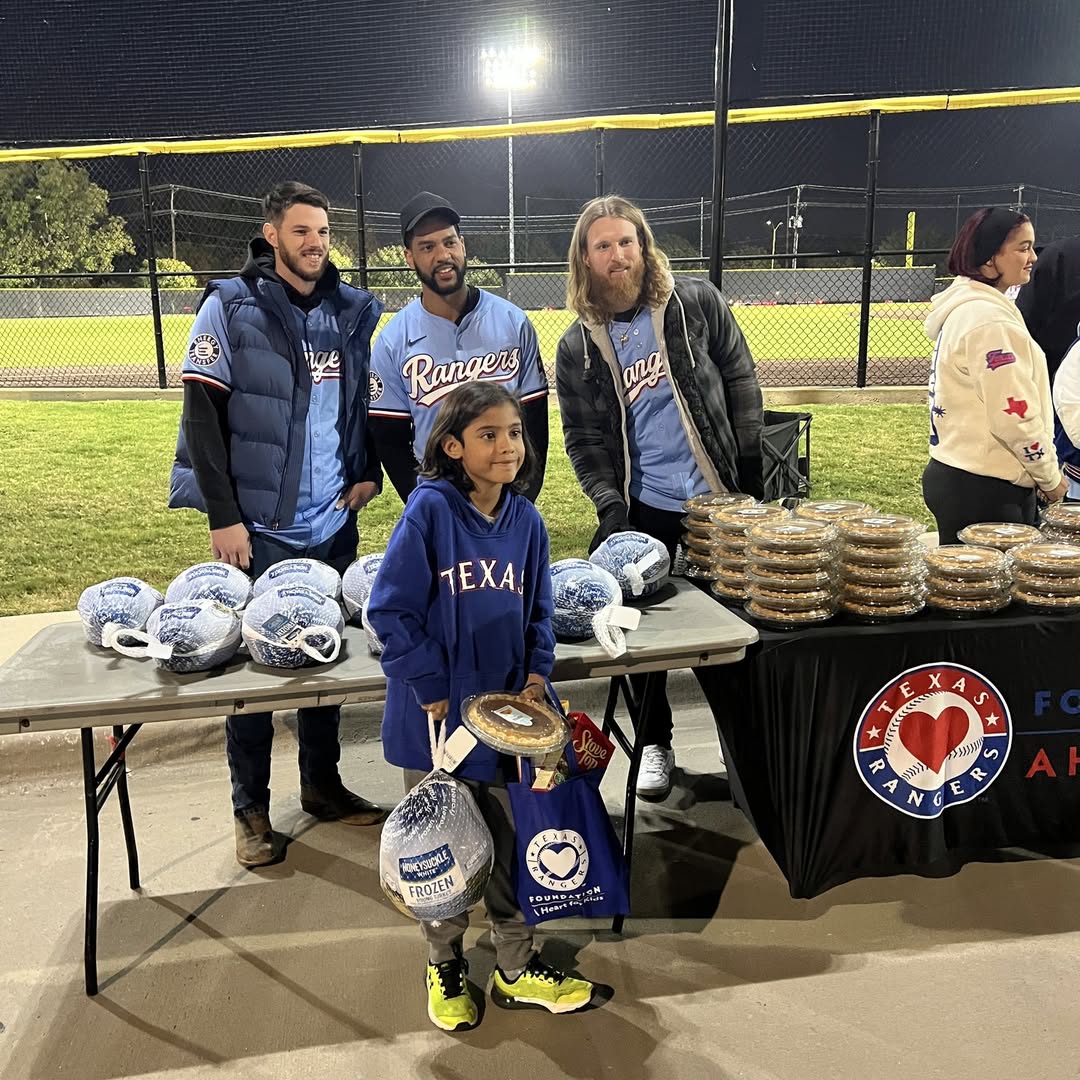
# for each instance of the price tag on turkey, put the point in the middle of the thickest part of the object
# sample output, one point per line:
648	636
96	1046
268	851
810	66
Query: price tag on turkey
457	749
648	561
626	617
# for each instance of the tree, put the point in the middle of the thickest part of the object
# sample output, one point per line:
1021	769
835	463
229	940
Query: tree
183	279
54	219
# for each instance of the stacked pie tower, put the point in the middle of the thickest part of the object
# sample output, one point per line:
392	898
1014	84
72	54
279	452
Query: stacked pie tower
1046	577
882	566
790	572
966	579
701	537
1061	523
731	544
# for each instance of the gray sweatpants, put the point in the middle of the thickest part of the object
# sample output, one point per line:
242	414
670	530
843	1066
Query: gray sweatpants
512	938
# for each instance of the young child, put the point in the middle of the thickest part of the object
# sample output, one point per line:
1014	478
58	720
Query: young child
462	605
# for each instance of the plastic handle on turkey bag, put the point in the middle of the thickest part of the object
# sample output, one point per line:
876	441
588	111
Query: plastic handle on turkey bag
635	572
437	741
609	636
313	651
111	633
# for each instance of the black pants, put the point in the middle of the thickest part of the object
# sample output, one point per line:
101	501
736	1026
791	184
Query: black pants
957	499
665	526
249	738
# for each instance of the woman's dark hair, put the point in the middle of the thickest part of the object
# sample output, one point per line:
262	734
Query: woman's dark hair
461	407
980	239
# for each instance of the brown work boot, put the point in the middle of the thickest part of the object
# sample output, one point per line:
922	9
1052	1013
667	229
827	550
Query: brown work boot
254	839
332	801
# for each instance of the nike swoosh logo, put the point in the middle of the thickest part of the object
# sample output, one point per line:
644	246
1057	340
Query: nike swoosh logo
410	342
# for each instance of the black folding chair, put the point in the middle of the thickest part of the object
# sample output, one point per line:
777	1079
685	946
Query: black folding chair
785	451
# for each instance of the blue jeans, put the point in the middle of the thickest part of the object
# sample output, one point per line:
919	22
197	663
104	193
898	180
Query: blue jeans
249	738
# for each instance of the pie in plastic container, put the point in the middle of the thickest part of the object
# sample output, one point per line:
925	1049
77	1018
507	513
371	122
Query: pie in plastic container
514	725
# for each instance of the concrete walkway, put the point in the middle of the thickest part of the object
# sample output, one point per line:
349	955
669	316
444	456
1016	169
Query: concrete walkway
305	971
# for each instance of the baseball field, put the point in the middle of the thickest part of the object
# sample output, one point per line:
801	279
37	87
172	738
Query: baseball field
792	344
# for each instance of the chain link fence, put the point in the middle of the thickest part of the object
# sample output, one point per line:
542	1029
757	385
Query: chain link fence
831	255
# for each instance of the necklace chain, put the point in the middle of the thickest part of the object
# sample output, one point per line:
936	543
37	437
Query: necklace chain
625	337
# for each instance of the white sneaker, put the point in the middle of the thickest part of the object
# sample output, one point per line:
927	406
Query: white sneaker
654	776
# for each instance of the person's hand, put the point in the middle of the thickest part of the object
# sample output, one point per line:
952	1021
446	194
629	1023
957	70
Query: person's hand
437	710
358	496
613	520
535	688
1058	493
231	545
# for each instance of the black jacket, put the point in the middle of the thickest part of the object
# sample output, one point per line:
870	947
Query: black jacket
711	371
1050	302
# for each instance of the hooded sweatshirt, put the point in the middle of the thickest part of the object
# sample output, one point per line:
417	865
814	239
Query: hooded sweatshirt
462	606
990	407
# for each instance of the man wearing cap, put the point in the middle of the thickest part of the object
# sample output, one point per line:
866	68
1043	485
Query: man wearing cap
453	333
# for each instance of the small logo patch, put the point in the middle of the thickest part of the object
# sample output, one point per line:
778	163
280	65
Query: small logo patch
558	859
204	350
375	386
999	358
1034	452
1017	408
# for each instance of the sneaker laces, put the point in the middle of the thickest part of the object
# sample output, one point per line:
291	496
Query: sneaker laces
654	759
539	970
451	975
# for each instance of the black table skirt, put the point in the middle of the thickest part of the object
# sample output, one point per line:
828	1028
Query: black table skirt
836	794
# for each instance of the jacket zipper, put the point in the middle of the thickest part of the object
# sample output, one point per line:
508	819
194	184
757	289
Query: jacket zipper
276	523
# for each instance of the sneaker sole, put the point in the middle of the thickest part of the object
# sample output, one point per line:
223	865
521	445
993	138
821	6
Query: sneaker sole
461	1025
523	1002
653	794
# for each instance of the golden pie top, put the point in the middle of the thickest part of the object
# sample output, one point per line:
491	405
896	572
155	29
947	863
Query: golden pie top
1063	515
700	505
879	528
792	535
830	509
966	560
514	725
1063	559
1000	534
737	519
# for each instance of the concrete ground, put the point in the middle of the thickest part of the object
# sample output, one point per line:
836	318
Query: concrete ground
304	971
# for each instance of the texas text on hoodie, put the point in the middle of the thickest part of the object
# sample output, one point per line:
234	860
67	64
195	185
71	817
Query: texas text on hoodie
462	606
990	409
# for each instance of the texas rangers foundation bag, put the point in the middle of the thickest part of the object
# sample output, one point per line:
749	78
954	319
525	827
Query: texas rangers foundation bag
568	859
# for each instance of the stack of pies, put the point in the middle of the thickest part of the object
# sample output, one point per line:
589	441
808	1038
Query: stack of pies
1046	577
729	551
882	566
790	576
1061	523
965	579
514	725
1003	535
830	510
699	540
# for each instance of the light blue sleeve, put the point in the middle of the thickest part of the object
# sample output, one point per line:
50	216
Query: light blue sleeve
208	358
388	394
532	382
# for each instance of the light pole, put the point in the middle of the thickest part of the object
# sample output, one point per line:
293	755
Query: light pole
772	252
510	69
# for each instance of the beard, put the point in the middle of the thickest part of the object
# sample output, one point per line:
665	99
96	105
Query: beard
429	281
300	268
621	294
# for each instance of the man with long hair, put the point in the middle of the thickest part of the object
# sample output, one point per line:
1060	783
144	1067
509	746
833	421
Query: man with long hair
659	400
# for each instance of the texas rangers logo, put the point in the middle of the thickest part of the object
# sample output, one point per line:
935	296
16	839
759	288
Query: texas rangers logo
643	374
430	381
936	736
558	859
999	358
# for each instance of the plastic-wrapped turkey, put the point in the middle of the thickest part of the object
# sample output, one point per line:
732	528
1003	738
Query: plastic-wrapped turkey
211	581
289	626
310	572
639	562
194	635
356	583
110	607
375	646
586	598
435	855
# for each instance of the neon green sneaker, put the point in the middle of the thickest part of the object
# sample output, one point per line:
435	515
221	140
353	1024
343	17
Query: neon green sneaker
449	1004
542	985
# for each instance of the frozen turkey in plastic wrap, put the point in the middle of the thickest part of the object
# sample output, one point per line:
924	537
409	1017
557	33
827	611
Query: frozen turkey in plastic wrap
587	601
639	562
111	607
188	636
211	581
310	572
357	581
292	625
375	646
436	853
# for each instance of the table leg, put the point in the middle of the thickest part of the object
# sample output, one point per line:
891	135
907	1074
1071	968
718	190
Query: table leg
91	913
125	817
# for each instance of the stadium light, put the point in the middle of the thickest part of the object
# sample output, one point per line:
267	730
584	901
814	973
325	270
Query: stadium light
510	69
772	253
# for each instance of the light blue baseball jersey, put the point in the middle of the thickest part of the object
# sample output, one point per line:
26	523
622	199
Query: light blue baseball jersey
322	478
419	358
663	471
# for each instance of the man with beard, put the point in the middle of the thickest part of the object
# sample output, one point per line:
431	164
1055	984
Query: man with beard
452	334
659	402
274	448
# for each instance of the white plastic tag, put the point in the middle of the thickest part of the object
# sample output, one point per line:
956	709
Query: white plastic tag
514	716
626	617
648	561
457	748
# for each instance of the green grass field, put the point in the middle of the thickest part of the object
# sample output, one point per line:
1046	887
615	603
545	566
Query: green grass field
83	487
784	332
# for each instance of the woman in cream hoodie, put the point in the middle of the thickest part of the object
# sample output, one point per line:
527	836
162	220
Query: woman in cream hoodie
991	417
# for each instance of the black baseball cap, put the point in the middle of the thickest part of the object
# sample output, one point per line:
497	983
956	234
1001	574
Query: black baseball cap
419	206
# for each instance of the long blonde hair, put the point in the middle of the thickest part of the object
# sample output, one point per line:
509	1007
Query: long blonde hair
657	284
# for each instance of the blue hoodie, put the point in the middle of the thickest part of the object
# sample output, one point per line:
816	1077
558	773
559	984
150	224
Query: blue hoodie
462	606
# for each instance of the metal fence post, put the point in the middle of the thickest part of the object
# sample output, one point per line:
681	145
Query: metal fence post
151	266
358	199
872	141
599	160
725	23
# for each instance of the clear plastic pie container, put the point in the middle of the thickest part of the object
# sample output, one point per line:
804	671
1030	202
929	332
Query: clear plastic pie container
830	510
1002	535
885	530
793	536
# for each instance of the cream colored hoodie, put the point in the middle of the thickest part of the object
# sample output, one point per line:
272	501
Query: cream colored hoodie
990	407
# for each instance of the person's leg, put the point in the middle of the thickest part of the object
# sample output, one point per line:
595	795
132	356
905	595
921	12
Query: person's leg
248	742
957	499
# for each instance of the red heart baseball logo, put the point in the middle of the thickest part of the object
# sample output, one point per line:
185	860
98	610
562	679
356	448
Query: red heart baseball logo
932	739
